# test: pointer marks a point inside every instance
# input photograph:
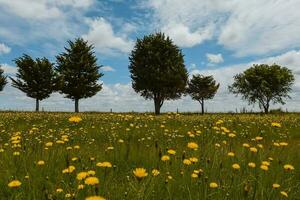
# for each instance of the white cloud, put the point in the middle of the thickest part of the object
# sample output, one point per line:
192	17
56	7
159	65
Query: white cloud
8	69
257	27
105	40
4	49
108	69
214	58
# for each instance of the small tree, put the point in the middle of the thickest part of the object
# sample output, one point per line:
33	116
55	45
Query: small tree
263	84
2	79
36	78
201	88
157	69
78	71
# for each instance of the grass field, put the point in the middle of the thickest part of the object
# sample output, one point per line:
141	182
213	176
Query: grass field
219	156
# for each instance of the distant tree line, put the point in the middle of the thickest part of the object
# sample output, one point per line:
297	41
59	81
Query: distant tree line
157	71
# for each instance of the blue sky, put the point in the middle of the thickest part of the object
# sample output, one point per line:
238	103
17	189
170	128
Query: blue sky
219	38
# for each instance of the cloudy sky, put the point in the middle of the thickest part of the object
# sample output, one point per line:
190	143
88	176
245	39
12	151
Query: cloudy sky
219	38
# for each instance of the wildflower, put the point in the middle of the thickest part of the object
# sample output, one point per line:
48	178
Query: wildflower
192	145
104	164
253	149
288	167
140	173
213	185
16	153
230	154
283	144
264	167
81	175
69	170
236	166
246	145
275	185
49	144
91	172
59	190
187	162
171	152
155	172
165	158
283	193
251	164
68	195
258	138
193	159
267	163
194	175
91	181
231	135
275	124
94	198
75	119
80	187
14	184
40	162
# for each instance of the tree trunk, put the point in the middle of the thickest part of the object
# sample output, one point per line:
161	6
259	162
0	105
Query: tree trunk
266	108
76	105
202	107
37	105
157	106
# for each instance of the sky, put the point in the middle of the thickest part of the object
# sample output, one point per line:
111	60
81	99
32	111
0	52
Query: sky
217	37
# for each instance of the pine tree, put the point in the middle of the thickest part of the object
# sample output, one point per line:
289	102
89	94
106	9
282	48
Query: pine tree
36	78
202	88
78	71
2	79
157	69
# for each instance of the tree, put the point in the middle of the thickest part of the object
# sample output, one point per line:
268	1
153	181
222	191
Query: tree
2	79
36	78
78	71
201	88
263	84
157	69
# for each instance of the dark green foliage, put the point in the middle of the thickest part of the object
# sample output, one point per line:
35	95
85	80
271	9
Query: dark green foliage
36	78
202	88
263	84
157	69
3	80
78	71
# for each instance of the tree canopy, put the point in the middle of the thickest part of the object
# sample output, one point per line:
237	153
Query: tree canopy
3	80
263	84
78	71
36	78
157	69
201	88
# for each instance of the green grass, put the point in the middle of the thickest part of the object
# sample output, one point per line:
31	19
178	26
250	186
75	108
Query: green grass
146	138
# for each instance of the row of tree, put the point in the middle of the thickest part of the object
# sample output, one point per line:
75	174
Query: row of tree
157	71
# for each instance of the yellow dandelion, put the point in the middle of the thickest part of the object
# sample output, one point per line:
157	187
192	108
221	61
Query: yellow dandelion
155	172
288	167
187	162
140	173
213	185
81	175
275	185
251	164
165	158
14	184
171	152
192	145
283	193
94	198
104	164
236	166
91	180
40	162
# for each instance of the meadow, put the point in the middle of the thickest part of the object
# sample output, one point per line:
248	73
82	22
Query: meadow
140	156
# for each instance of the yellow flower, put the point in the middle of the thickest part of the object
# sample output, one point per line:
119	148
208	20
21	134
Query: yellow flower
140	173
283	144
192	145
288	167
275	185
213	185
246	145
40	162
251	164
258	138
80	187
265	163
14	184
69	170
253	149
275	124
94	198
91	172
193	159
283	193
187	162
171	152
81	175
236	166
155	172
264	167
104	164
91	181
68	195
75	119
59	190
194	175
165	158
49	144
230	154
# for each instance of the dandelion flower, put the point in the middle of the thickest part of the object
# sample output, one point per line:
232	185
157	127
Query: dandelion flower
91	181
230	154
165	158
171	152
140	173
187	162
75	119
264	167
192	145
236	166
155	172
213	185
283	193
104	164
14	184
275	185
40	162
94	198
288	167
81	175
251	164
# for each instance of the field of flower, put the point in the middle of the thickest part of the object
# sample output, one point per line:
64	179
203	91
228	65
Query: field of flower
140	156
